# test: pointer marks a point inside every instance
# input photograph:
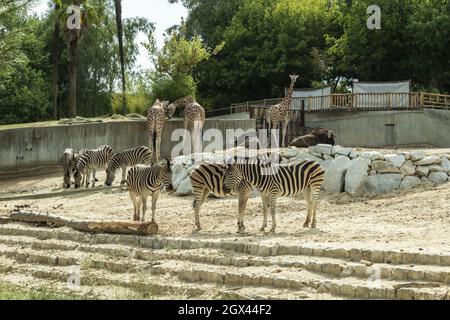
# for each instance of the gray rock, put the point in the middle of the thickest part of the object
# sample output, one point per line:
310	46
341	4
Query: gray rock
445	164
408	168
355	154
417	155
428	161
343	151
327	157
383	183
373	172
317	155
302	156
335	175
422	171
436	168
410	182
326	164
356	176
372	155
289	153
438	177
185	188
407	155
384	167
178	178
424	179
322	148
397	160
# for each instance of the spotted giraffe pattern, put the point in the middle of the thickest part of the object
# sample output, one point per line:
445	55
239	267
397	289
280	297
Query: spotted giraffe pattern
280	112
156	117
194	117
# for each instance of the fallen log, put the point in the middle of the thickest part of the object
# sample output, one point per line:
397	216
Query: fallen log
92	226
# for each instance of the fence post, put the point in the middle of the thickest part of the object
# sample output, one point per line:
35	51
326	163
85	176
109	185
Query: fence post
302	114
422	99
388	100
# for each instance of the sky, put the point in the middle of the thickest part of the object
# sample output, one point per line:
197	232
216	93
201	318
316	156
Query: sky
160	12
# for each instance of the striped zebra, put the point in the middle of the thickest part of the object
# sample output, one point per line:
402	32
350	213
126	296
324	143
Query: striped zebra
89	162
144	181
125	159
275	180
68	162
209	178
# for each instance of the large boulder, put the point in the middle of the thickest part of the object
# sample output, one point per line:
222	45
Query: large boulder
326	164
438	177
335	175
410	182
397	160
289	153
408	168
436	168
445	164
423	171
383	183
339	150
185	188
322	149
428	161
356	176
384	167
302	156
179	176
417	155
372	155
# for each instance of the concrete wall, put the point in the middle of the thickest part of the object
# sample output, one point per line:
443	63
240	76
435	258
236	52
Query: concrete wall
33	147
240	115
386	128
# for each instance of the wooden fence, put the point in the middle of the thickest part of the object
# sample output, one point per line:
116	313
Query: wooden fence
336	102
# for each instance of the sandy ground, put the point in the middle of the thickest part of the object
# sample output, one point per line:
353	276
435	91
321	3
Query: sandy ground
417	219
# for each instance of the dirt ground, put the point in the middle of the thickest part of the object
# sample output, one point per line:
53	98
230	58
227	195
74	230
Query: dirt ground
417	219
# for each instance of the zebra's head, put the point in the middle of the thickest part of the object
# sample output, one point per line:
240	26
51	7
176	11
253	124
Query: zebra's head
233	177
78	170
166	174
110	175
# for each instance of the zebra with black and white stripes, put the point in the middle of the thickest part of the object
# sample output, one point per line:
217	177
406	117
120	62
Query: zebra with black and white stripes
144	181
125	159
209	179
276	180
90	162
68	162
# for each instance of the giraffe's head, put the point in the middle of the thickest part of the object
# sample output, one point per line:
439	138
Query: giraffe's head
293	77
170	110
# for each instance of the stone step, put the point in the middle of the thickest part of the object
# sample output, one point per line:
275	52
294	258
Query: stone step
244	245
297	279
329	266
101	284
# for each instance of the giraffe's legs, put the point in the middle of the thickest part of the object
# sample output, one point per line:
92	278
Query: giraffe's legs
158	146
285	125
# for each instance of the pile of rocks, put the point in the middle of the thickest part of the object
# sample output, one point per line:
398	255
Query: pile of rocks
347	170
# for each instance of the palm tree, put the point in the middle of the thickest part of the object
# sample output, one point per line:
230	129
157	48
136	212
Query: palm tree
118	7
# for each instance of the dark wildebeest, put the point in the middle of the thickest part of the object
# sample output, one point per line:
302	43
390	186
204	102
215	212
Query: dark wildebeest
316	136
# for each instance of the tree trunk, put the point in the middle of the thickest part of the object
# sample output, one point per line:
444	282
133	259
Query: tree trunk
118	7
73	80
56	57
119	227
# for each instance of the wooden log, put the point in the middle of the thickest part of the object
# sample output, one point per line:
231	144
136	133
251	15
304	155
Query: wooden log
120	227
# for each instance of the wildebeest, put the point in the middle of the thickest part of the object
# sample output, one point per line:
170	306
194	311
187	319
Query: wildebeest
316	136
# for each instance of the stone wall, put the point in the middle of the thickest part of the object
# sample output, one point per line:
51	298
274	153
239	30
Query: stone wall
348	170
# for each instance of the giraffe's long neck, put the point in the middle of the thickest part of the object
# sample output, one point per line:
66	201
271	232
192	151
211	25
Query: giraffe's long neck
182	103
288	99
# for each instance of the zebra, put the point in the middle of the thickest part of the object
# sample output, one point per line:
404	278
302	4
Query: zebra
147	180
209	178
68	162
90	161
275	180
125	159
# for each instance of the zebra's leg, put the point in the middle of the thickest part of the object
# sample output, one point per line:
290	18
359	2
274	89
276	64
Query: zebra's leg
243	198
314	208
307	195
155	197
199	198
124	176
265	203
285	125
273	211
133	198
87	177
144	207
94	179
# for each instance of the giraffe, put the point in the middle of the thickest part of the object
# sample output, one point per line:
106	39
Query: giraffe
194	117
156	117
280	112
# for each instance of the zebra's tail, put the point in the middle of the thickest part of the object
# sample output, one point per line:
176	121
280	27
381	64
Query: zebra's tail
154	146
